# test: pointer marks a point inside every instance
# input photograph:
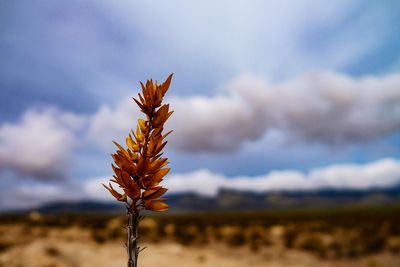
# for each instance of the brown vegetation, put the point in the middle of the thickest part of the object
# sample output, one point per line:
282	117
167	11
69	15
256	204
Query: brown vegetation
140	167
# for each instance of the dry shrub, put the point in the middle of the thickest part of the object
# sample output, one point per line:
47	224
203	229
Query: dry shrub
289	237
312	243
4	246
236	239
187	235
52	251
393	245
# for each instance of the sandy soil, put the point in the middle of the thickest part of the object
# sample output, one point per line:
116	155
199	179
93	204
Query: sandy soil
74	247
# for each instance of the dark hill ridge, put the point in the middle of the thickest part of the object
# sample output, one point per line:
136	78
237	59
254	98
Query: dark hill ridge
327	198
234	200
84	206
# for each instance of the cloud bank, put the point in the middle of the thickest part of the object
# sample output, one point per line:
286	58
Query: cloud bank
323	107
26	196
382	173
39	144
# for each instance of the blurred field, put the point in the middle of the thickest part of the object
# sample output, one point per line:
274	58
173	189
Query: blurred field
342	237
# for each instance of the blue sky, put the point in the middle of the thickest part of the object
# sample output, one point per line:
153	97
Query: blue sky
260	88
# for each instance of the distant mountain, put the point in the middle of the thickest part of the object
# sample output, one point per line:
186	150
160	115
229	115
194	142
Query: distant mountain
84	206
234	200
327	198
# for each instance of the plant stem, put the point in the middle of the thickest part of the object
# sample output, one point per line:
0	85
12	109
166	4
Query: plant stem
131	244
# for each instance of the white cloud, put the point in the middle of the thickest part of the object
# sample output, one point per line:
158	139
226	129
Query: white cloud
381	173
112	124
201	181
94	190
39	144
324	107
24	196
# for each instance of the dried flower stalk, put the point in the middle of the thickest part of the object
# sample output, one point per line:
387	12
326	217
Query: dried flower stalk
140	168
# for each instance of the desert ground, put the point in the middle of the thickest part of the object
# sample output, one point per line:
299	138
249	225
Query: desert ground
205	240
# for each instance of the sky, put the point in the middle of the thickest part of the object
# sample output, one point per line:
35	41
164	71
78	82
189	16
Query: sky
268	95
